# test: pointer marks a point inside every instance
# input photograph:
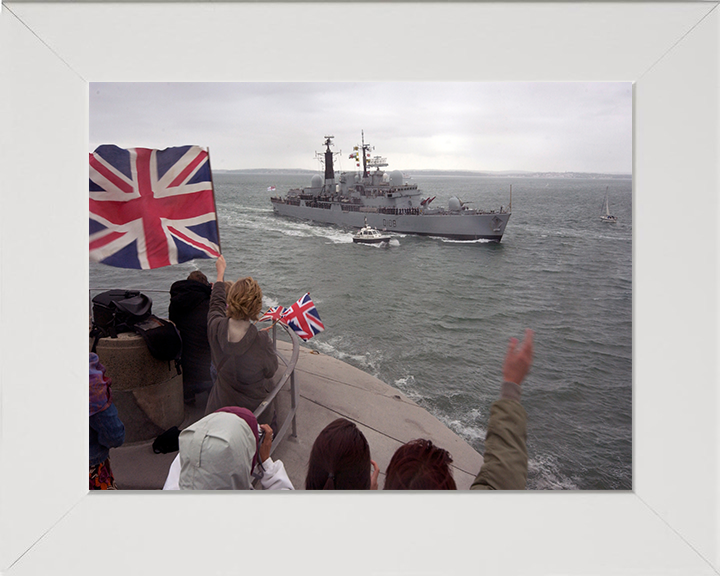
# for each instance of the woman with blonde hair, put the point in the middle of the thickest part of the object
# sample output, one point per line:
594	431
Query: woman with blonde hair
243	357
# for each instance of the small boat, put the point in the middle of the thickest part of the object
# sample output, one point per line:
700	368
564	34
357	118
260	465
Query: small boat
369	235
607	217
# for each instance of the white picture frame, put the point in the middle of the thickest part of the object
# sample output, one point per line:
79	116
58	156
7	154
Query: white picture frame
668	524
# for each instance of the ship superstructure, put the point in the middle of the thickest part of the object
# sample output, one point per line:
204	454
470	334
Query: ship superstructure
385	201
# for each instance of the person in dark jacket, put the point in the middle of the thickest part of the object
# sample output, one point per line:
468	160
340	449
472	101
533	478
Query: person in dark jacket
189	305
106	429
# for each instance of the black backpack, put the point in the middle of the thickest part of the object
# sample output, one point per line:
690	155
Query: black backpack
162	338
117	311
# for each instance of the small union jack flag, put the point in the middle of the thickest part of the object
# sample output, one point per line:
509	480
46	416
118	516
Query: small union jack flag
151	208
273	314
303	317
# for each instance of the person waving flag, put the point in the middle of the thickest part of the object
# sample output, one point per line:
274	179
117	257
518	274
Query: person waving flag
151	208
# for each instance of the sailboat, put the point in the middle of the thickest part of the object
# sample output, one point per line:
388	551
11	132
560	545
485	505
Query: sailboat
607	217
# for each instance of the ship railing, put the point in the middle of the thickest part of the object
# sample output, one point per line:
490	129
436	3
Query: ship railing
288	375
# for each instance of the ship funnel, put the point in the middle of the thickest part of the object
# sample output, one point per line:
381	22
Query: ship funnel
329	168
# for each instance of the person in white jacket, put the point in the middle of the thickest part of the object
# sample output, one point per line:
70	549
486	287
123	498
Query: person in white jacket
222	452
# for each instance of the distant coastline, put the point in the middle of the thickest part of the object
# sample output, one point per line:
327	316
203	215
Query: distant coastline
446	173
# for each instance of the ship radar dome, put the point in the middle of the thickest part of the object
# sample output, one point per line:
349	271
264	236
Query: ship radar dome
316	181
454	203
396	178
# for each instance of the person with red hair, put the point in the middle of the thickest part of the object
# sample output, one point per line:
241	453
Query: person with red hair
419	465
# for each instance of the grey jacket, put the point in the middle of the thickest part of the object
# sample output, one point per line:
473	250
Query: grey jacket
245	369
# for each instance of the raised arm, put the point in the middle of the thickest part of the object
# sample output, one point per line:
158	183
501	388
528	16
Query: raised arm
505	460
218	299
518	361
220	266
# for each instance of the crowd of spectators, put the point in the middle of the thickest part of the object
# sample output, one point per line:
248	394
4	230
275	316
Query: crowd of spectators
225	355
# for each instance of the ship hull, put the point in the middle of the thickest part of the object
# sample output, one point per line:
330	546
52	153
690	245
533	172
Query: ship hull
458	226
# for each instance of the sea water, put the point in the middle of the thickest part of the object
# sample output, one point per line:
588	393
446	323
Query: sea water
432	317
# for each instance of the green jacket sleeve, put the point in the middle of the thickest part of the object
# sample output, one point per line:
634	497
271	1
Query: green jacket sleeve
505	463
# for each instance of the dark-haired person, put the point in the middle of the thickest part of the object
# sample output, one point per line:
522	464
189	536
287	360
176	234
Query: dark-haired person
189	306
419	465
243	357
222	451
340	460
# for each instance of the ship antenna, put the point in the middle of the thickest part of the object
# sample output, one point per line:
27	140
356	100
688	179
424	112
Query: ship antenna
510	206
364	149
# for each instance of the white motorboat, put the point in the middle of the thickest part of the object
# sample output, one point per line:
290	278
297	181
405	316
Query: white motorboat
369	235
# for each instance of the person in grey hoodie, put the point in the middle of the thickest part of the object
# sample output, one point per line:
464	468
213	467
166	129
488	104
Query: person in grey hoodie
243	357
223	451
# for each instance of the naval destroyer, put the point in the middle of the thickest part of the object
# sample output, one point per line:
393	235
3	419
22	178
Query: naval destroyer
386	202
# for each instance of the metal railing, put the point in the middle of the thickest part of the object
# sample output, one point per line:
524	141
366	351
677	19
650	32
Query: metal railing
288	375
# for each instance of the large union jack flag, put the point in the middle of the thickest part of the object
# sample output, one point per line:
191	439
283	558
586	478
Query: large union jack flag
303	317
151	208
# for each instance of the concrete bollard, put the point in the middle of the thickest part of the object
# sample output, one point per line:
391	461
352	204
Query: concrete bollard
147	392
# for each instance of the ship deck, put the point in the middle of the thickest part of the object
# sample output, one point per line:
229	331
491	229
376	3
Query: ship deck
328	389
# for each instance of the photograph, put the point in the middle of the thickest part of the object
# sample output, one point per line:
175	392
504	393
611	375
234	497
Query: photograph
430	223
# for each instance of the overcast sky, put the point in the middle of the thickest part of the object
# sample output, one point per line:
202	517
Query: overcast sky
579	126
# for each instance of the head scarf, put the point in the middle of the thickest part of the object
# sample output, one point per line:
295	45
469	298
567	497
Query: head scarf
99	386
217	452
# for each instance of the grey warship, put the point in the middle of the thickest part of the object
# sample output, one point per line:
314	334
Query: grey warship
386	202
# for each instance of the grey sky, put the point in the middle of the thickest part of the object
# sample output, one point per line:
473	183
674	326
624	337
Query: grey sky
579	126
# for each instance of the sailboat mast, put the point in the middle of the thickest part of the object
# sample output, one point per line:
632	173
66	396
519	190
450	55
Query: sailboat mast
607	206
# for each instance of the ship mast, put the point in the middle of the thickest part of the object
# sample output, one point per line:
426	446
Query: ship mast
365	149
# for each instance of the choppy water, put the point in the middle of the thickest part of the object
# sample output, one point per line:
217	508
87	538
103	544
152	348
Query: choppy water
432	317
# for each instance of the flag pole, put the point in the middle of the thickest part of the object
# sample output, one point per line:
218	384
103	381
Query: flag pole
212	185
271	326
